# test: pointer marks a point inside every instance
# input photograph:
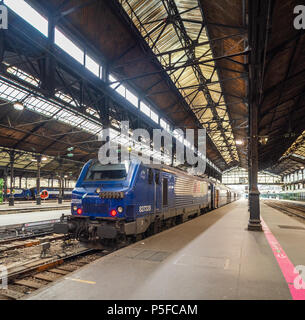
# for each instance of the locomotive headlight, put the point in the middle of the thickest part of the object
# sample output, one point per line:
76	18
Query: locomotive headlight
74	208
98	190
120	209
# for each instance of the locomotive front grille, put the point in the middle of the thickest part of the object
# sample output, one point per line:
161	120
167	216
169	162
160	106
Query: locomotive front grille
111	195
95	208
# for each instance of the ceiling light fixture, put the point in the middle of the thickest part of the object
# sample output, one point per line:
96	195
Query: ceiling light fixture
239	142
18	106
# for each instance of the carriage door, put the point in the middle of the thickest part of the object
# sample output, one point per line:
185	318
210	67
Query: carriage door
158	191
165	192
211	195
217	199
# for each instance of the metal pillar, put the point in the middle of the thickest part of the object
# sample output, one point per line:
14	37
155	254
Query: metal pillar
38	198
60	191
258	29
60	195
62	187
5	185
254	221
48	80
11	200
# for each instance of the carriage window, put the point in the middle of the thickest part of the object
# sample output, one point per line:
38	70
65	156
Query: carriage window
150	176
165	192
157	177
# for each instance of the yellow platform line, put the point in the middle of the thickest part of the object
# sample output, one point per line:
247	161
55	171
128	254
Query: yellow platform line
82	281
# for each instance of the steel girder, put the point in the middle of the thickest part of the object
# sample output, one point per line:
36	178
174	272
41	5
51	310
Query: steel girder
25	48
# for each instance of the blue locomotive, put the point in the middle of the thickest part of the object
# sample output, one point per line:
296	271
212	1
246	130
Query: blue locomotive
116	203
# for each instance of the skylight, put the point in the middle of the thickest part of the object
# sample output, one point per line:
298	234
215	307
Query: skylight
145	109
92	66
23	76
164	125
47	108
169	41
69	46
133	99
30	15
154	116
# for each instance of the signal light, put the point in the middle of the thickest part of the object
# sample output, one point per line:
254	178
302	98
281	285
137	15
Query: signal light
113	213
79	211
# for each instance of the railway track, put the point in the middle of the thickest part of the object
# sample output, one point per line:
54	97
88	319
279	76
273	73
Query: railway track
27	276
12	244
292	209
24	277
26	230
34	256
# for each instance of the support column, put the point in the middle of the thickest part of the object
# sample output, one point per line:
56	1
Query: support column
1	188
254	221
63	187
60	191
2	42
38	198
49	64
5	185
259	17
60	195
11	200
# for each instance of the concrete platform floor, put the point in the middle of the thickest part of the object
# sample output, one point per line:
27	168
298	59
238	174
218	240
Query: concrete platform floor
34	216
211	257
288	201
29	206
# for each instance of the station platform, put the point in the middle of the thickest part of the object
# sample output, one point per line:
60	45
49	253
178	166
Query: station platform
213	256
30	206
302	203
32	216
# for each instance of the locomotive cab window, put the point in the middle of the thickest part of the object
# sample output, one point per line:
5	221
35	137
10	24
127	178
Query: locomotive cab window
100	172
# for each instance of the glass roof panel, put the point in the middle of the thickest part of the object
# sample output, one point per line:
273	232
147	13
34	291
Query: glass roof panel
157	22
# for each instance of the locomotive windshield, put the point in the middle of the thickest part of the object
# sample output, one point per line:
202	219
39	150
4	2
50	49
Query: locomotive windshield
98	172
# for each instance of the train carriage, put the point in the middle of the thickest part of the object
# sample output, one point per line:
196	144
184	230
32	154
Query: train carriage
116	201
20	194
51	193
